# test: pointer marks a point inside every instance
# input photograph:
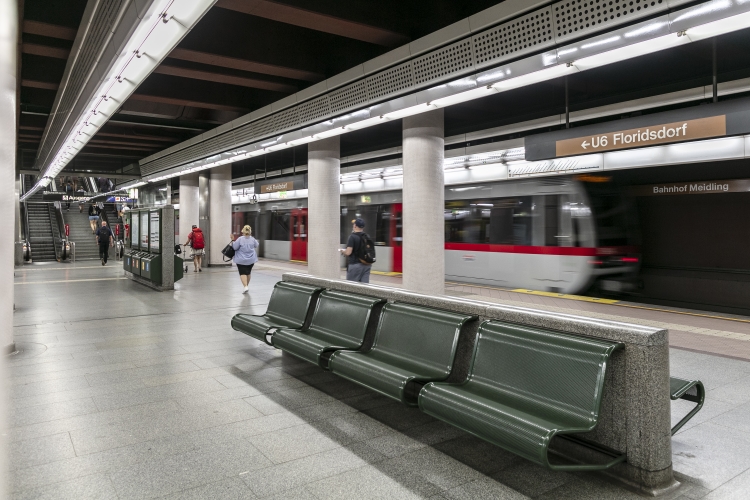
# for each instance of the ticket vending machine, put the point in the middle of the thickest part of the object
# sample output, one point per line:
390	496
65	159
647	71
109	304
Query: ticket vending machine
149	247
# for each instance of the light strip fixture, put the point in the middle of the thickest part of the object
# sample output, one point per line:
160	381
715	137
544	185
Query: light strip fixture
562	62
158	32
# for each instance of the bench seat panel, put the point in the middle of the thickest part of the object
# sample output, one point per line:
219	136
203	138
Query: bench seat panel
525	386
412	343
310	345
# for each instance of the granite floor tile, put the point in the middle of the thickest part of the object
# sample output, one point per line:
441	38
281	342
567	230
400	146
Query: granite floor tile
294	443
289	475
93	487
484	489
372	483
52	411
227	489
40	450
530	479
301	493
736	488
711	454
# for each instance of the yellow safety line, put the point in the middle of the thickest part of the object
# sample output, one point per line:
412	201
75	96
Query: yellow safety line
386	273
598	301
66	281
685	313
565	296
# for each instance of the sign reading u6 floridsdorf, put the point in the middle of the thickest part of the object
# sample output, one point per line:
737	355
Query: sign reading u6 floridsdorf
702	128
721	119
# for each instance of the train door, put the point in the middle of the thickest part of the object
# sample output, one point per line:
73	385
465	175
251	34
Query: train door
397	236
298	234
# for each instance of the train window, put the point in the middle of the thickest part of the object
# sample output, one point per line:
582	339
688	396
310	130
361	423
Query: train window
280	226
552	235
505	221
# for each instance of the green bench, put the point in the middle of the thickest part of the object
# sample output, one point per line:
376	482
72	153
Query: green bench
689	390
288	308
525	386
340	322
413	345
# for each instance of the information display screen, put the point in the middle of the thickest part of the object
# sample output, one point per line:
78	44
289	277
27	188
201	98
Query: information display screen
144	231
134	233
154	233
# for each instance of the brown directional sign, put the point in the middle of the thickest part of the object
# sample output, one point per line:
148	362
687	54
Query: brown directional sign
701	128
279	186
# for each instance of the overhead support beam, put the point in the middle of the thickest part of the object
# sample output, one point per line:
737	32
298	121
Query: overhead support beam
244	65
153	125
39	85
141	137
49	30
227	79
126	148
183	102
45	51
124	143
289	14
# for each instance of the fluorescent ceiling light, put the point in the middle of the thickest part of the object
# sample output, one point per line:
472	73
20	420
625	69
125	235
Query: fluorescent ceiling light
469	95
535	77
630	51
720	27
413	110
157	33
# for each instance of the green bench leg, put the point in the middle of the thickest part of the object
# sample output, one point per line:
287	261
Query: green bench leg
680	389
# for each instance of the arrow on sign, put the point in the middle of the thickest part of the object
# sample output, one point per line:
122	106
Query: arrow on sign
585	144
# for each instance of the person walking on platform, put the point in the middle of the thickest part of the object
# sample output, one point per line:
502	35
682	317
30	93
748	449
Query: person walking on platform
105	239
197	243
93	217
357	269
245	255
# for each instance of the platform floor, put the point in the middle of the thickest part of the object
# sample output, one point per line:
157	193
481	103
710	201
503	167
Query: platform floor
122	392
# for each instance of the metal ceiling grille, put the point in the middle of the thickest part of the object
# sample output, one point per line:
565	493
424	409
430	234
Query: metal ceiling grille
445	62
532	32
574	18
347	97
100	28
312	110
526	34
390	81
286	119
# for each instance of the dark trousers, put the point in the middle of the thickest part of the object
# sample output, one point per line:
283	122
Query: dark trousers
104	251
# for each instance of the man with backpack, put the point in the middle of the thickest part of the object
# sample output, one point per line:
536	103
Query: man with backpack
105	239
360	251
198	243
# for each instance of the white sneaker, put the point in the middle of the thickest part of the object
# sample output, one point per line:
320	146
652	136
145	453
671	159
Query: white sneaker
245	290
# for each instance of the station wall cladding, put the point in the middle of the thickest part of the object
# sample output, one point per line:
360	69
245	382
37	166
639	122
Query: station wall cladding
695	242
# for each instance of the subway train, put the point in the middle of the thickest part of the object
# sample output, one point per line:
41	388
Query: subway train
564	235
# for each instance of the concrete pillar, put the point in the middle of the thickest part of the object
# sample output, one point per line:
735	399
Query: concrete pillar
220	220
9	49
424	203
188	205
323	208
204	211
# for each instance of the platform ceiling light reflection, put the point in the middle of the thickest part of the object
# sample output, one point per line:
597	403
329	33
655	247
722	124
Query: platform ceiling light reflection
158	32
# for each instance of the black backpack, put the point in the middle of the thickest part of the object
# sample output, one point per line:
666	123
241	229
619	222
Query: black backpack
366	249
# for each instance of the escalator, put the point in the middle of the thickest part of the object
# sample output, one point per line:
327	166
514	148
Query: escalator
81	234
40	231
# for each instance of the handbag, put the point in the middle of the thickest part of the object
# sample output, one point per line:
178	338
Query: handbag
228	252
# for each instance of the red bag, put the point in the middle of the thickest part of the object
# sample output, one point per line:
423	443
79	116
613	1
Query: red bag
198	240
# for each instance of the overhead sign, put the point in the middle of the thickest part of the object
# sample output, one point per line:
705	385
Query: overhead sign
278	186
702	187
691	123
702	128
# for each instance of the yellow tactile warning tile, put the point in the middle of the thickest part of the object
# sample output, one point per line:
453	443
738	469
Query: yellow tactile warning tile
624	319
565	296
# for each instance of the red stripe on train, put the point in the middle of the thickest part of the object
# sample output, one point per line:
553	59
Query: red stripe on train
538	250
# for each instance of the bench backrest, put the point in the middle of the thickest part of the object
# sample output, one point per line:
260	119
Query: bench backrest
420	338
340	315
290	301
555	376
